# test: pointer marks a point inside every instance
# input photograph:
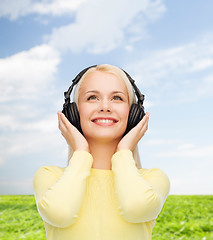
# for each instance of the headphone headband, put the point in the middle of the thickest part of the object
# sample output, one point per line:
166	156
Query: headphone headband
67	94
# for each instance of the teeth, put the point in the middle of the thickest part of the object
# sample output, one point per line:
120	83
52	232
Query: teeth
104	120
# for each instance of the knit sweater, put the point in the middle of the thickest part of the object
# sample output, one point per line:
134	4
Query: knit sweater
82	203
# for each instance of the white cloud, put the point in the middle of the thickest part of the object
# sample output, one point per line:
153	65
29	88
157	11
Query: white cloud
188	165
14	8
17	183
191	185
38	136
190	174
25	77
182	73
206	86
1	161
188	151
153	142
57	7
161	64
17	8
21	186
101	25
14	121
26	73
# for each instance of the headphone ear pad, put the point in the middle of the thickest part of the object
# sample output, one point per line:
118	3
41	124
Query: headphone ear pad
136	113
70	110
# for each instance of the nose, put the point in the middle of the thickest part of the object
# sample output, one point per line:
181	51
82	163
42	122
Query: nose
104	106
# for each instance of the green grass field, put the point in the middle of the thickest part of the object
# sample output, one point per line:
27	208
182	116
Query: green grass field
182	217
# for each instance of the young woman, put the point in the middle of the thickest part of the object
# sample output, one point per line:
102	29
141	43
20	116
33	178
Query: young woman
103	193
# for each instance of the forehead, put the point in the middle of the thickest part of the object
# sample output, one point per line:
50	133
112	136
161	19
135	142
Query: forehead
103	81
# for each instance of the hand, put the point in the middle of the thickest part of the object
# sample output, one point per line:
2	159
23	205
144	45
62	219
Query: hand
71	134
130	140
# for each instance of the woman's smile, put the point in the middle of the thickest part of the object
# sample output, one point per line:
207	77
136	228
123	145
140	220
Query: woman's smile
105	122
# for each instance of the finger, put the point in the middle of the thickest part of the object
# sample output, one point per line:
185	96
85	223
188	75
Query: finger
60	122
144	128
62	127
66	126
142	122
65	121
144	119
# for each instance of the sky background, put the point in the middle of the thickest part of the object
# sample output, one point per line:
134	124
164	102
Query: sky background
166	46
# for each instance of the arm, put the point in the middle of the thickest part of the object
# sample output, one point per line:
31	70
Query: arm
59	194
140	197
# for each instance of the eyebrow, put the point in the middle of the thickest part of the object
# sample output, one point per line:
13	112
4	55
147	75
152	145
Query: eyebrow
113	92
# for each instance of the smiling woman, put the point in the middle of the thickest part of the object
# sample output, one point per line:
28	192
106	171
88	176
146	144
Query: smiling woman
103	193
104	113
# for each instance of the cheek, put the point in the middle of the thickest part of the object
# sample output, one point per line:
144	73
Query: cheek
81	109
124	113
85	111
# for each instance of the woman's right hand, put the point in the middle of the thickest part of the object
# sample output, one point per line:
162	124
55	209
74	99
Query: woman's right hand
71	134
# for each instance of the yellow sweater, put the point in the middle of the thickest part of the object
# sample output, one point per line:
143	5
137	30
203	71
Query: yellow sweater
82	203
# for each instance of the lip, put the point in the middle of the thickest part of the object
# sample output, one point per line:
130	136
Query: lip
104	121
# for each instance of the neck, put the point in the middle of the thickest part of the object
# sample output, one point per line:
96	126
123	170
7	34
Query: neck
102	154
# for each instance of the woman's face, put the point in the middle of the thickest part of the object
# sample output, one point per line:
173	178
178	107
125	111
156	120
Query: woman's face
103	106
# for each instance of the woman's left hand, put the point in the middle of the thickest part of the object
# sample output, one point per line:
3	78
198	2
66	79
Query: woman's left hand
130	140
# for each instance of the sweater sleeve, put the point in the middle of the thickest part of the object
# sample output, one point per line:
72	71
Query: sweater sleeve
59	194
140	196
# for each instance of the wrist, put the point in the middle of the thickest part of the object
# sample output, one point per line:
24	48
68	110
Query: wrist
120	148
85	148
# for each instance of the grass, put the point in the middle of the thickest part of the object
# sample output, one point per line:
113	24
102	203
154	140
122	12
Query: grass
185	217
19	218
182	217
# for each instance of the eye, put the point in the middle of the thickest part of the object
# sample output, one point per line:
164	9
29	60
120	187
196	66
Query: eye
117	98
92	97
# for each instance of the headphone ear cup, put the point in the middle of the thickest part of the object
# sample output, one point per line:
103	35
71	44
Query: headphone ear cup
70	110
136	113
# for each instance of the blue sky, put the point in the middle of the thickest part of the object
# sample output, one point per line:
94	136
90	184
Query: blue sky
166	46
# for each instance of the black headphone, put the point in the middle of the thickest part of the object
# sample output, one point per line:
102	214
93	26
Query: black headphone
70	110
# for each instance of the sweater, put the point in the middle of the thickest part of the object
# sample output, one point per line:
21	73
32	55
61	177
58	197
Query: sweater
82	203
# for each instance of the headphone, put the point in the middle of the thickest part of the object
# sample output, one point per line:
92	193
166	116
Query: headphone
70	110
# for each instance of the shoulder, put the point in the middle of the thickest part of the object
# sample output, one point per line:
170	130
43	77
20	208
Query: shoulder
52	171
158	180
155	175
145	171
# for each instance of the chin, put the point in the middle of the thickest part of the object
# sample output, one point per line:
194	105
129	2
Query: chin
106	137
